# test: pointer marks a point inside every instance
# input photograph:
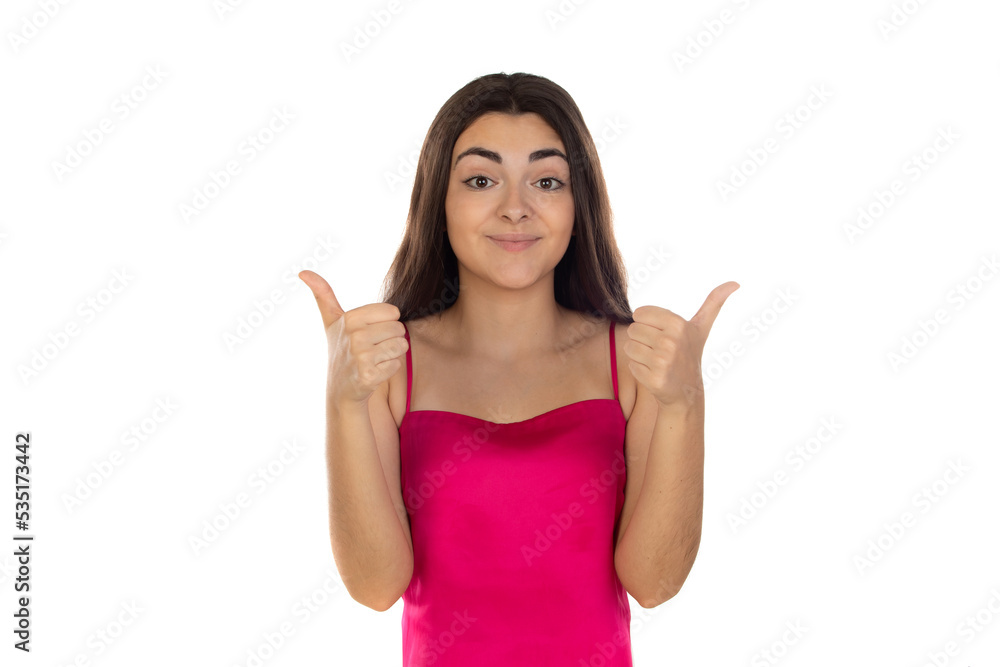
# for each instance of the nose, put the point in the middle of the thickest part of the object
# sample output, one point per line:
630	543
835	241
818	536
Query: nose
514	206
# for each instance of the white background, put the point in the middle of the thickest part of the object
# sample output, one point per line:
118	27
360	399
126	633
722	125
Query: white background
339	174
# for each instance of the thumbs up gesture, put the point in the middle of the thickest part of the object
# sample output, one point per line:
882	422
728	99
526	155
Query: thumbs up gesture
664	349
365	343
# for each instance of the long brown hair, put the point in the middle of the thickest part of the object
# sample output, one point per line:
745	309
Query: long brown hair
591	276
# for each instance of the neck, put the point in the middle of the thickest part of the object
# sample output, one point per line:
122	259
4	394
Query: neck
506	324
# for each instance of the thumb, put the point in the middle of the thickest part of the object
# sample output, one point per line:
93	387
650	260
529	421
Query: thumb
329	307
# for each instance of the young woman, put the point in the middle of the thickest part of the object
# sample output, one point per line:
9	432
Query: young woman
510	447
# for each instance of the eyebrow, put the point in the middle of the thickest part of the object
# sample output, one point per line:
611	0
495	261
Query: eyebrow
540	154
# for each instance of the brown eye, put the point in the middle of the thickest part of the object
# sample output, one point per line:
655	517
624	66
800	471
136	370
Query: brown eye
551	180
478	178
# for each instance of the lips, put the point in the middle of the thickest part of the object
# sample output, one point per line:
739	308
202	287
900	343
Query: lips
514	242
513	237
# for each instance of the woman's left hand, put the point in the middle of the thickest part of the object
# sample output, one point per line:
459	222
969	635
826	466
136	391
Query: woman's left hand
665	349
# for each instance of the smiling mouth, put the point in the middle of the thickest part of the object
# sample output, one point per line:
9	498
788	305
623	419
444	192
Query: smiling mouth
514	245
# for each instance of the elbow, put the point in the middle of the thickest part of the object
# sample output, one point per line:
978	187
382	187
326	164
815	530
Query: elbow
654	600
376	604
665	590
649	594
378	588
374	599
384	598
371	598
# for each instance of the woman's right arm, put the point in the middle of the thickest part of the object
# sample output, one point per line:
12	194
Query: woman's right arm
369	527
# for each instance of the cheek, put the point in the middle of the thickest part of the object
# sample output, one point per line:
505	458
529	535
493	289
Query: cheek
563	210
460	215
454	208
457	202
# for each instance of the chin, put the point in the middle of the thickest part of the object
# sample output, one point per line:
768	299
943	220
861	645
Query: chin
516	281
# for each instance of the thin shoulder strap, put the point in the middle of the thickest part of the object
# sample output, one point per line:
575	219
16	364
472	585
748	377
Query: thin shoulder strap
409	367
614	364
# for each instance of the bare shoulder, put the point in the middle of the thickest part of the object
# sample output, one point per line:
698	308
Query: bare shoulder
626	381
423	331
587	326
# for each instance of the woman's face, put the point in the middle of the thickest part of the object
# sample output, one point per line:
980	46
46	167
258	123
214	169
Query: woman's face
513	185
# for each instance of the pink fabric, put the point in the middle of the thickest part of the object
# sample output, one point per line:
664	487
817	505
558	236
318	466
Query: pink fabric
512	526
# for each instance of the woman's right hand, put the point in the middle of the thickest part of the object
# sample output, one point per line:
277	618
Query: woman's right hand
365	343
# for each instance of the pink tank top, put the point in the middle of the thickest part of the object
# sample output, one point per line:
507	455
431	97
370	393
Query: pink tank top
513	536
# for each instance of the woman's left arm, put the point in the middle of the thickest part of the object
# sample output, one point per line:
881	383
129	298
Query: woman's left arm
660	528
659	538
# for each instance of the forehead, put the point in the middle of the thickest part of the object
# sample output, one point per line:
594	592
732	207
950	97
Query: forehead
507	134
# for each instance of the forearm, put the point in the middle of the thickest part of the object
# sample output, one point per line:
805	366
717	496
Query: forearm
658	549
369	545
